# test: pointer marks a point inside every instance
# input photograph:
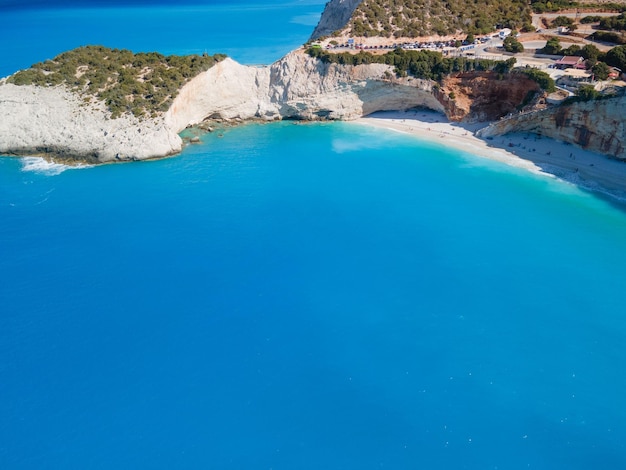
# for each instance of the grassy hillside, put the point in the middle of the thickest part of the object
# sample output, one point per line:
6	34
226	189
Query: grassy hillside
141	84
414	18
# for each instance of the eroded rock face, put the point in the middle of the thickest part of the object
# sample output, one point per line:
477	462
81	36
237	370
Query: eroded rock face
52	120
306	88
335	16
296	87
594	125
481	96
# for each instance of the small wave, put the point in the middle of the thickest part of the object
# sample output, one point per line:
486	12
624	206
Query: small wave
574	178
45	167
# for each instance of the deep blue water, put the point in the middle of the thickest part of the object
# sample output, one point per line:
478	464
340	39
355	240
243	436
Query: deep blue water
249	31
304	297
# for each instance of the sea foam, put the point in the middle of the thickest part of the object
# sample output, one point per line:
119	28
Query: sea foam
45	167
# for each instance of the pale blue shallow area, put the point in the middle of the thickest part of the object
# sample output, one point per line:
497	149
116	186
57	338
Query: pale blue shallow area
308	296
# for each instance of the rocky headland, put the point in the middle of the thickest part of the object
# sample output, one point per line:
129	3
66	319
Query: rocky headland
59	122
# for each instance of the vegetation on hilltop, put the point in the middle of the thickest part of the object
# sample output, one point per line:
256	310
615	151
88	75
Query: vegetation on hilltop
545	6
617	57
420	18
142	83
616	23
415	18
511	44
420	64
430	64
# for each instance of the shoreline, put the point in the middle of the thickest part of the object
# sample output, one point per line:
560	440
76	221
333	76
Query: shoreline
537	154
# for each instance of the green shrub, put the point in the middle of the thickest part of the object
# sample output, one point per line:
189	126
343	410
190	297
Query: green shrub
413	18
420	64
587	93
608	37
617	57
552	47
590	19
543	6
512	45
562	21
616	23
542	78
601	71
574	50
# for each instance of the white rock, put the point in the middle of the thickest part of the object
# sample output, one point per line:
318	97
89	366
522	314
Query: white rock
55	120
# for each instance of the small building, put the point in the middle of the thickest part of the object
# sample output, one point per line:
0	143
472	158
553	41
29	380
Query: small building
570	62
504	33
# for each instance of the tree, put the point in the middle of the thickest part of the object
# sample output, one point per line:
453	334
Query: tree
543	79
562	21
574	49
590	52
587	92
617	57
601	71
512	45
470	38
552	47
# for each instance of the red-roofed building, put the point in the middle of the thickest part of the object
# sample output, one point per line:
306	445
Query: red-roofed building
570	62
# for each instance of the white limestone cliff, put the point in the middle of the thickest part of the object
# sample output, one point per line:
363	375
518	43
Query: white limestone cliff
295	87
53	120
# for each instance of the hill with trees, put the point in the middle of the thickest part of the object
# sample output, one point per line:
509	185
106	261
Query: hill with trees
140	84
418	18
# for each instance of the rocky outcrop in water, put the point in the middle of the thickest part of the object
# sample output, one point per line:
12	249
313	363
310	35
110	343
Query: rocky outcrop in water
596	125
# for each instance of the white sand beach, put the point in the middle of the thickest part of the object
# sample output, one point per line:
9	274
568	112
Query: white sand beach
535	153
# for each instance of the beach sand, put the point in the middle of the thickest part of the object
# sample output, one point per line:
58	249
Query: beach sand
534	153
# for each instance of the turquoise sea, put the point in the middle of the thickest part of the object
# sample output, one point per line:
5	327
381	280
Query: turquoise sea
302	296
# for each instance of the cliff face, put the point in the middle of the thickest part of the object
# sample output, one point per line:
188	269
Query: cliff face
296	87
480	96
336	15
594	125
52	120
